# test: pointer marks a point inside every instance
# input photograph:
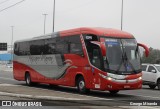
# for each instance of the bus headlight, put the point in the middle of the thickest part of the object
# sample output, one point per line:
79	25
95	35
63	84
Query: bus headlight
109	78
140	78
106	77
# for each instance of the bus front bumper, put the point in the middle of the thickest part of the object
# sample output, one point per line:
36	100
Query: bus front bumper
121	84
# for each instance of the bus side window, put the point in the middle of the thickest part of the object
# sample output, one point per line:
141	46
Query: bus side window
50	46
62	45
37	47
75	45
16	48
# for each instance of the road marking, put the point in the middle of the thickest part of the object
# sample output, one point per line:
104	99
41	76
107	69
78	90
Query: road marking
96	98
7	78
58	98
91	97
38	97
7	84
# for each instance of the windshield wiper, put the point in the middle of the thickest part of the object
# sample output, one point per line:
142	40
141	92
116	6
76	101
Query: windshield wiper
127	62
107	63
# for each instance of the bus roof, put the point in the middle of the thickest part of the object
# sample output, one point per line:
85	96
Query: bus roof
99	31
109	32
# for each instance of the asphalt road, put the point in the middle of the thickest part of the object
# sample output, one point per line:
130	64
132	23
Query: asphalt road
94	98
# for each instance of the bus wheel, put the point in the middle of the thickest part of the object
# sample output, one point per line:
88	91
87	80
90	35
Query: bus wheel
114	91
81	85
28	79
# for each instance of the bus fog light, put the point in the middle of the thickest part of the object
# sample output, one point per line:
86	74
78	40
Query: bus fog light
109	86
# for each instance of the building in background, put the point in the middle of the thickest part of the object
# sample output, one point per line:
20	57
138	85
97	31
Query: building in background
5	58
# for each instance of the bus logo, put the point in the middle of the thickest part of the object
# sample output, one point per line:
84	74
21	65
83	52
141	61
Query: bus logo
89	37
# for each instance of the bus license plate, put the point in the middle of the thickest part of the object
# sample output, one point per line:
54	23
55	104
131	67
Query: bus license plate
126	87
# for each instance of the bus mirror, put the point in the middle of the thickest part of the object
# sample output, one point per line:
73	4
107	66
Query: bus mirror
146	49
102	47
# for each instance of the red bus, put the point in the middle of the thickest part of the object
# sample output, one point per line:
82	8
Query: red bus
86	58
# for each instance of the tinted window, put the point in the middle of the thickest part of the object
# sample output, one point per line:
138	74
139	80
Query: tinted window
93	50
50	46
62	45
151	68
144	67
96	58
75	44
16	48
23	48
58	45
158	67
37	47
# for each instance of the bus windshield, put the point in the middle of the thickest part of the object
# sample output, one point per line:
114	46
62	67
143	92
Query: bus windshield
122	56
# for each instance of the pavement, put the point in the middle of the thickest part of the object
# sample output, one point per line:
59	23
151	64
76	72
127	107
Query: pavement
56	96
55	100
5	68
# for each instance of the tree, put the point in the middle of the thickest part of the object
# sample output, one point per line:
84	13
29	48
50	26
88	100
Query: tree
153	58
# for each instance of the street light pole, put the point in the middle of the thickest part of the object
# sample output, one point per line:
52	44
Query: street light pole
122	16
45	22
54	13
12	44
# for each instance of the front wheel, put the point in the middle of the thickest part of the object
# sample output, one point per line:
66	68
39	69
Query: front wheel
113	92
81	85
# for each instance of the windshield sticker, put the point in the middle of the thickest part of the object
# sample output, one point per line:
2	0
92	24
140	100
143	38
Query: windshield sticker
128	43
133	56
111	40
112	43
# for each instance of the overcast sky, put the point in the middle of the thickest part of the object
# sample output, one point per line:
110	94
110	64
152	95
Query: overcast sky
141	17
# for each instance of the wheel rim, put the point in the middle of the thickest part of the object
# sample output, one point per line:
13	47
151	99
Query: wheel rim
81	85
28	80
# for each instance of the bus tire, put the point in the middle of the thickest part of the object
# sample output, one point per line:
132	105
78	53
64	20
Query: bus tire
28	79
113	92
81	86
